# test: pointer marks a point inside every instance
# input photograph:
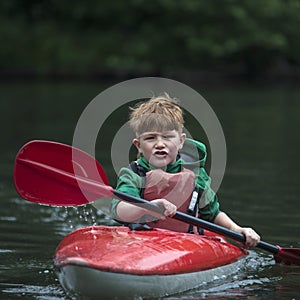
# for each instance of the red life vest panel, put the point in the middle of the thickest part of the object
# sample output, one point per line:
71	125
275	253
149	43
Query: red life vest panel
176	188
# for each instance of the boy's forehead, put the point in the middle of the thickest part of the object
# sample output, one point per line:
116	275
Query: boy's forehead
157	132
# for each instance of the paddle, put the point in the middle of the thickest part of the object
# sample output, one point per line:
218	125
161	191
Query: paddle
55	174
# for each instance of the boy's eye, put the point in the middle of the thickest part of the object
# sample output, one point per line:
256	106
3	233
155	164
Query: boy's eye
168	137
149	138
165	137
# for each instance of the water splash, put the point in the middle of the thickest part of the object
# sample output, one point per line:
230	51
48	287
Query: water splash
68	219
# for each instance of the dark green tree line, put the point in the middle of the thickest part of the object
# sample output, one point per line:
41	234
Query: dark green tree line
141	36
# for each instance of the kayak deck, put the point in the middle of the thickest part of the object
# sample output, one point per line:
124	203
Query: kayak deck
153	252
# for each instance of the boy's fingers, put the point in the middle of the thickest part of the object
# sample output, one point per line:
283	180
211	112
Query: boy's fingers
170	210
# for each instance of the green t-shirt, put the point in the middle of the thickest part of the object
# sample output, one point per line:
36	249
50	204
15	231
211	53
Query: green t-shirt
192	156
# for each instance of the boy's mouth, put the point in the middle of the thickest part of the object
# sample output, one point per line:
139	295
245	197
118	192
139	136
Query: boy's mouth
161	153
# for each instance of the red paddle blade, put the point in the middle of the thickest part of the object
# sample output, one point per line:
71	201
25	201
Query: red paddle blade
56	174
288	256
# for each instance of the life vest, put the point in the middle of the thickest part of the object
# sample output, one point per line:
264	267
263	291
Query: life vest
178	188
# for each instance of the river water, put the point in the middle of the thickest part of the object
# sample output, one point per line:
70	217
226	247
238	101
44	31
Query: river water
260	188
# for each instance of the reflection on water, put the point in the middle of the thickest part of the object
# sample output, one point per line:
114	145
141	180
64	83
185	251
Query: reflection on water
260	189
16	291
29	236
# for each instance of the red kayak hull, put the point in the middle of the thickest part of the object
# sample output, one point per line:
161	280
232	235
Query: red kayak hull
103	252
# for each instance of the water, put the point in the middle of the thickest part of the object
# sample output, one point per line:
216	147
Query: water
260	188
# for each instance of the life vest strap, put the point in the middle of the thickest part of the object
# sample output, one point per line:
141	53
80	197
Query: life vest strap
136	168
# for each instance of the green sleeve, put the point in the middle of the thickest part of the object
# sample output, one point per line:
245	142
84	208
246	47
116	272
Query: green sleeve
208	202
129	183
210	211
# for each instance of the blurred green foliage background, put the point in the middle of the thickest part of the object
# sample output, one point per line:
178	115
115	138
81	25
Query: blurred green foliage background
193	38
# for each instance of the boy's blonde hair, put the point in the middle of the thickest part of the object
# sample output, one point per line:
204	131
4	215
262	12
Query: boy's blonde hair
157	114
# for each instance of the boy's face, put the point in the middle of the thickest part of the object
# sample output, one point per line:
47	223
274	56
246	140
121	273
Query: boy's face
160	148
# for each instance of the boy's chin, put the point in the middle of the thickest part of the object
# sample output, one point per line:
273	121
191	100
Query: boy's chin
159	163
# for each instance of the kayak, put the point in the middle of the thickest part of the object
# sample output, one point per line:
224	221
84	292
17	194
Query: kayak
118	263
114	262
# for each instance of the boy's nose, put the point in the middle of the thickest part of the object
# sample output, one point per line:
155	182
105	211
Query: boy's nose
159	142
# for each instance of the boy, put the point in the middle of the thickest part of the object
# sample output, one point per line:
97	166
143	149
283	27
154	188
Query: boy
169	172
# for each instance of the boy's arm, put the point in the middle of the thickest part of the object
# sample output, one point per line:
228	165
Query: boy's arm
252	238
223	219
209	210
131	213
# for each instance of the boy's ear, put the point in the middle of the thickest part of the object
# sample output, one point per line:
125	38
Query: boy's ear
136	143
182	139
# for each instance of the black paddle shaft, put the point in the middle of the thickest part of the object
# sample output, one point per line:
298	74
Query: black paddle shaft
223	231
195	221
